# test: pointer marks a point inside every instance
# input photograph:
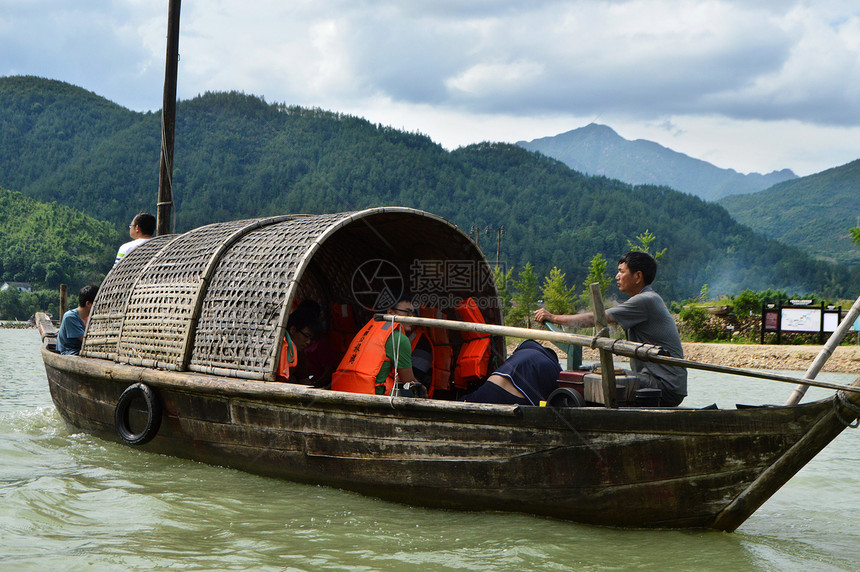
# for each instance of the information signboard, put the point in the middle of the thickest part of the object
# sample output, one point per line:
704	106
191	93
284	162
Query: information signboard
801	320
771	321
801	317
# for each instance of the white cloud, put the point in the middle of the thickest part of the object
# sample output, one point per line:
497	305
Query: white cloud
486	79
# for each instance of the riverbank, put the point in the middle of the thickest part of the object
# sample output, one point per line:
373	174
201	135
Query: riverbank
845	359
15	324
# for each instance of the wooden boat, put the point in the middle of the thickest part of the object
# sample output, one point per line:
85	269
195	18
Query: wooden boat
194	322
183	345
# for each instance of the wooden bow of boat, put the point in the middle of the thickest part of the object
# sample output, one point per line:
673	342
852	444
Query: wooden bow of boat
845	409
45	326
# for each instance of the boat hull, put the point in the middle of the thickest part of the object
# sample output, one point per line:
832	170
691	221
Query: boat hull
629	467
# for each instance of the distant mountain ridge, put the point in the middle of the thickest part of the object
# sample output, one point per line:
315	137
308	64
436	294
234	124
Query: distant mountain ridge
598	150
814	213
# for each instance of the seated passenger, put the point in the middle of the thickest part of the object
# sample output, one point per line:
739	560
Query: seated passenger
70	338
141	229
645	319
527	377
301	326
320	358
368	366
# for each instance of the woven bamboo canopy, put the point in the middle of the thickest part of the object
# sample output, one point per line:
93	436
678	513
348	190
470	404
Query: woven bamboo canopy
216	299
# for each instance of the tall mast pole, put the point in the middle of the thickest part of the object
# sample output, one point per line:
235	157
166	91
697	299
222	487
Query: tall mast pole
168	121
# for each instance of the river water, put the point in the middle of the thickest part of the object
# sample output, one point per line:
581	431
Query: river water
69	501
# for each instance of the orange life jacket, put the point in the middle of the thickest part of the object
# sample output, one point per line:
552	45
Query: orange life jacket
342	326
289	358
474	357
359	367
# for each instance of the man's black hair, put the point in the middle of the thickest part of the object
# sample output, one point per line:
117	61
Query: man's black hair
303	317
641	262
146	222
87	294
307	313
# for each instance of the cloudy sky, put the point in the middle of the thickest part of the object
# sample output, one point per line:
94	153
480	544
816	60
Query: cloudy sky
749	85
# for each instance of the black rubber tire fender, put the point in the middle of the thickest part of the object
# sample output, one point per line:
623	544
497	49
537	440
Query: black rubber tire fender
565	397
153	414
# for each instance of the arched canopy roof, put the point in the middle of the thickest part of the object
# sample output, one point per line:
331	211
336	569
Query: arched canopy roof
216	299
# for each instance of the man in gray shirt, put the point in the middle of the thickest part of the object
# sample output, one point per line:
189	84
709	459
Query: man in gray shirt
646	319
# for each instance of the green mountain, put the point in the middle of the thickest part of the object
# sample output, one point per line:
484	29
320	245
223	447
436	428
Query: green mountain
598	150
50	244
238	156
62	143
814	213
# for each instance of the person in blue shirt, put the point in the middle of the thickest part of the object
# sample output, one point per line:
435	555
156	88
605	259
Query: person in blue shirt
71	335
527	377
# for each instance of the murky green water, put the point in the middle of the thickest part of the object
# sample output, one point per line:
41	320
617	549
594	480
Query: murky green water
69	501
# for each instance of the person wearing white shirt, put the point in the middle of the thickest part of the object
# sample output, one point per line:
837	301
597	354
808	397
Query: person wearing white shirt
141	229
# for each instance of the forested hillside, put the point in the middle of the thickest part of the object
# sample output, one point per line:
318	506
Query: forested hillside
238	156
61	143
50	244
814	212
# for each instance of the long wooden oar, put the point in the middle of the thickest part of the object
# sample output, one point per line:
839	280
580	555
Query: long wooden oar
644	352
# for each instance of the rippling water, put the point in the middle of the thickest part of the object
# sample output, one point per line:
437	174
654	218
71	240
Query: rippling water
69	501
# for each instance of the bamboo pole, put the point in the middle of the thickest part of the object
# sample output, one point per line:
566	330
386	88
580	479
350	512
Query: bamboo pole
620	347
826	352
644	352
